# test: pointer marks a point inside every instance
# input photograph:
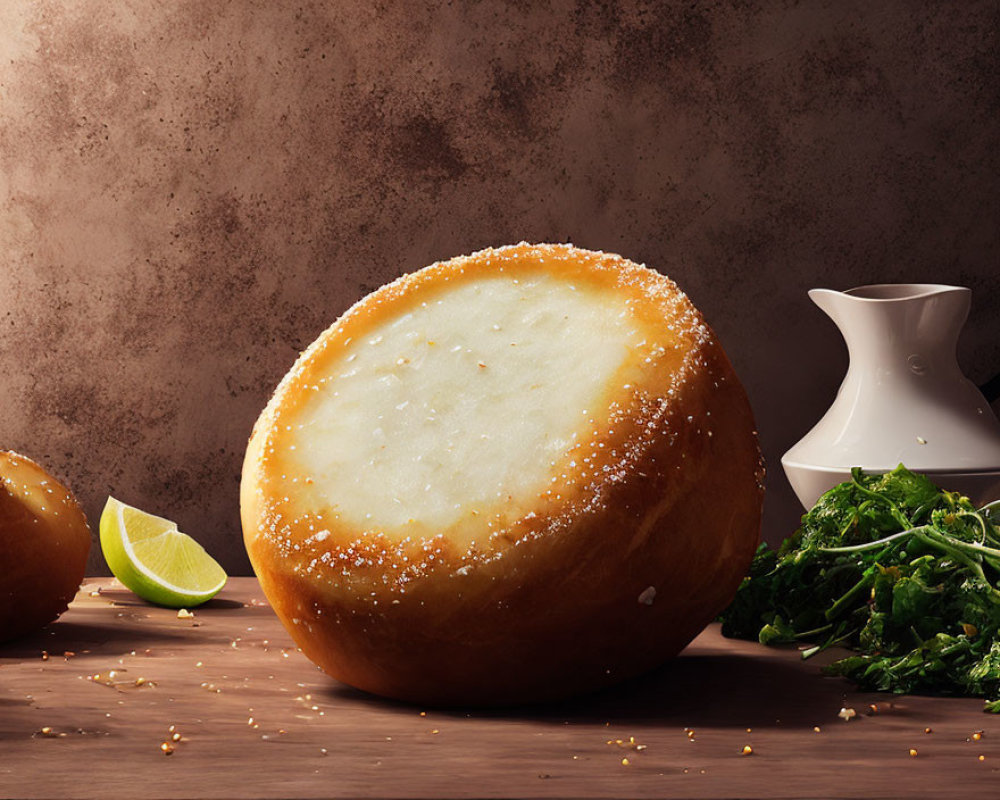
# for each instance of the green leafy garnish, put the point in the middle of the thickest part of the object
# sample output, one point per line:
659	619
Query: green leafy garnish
897	570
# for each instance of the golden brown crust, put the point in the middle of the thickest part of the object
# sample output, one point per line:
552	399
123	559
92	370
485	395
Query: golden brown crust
550	604
44	542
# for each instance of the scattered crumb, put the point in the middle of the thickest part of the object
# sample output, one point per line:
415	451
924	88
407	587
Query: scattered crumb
630	744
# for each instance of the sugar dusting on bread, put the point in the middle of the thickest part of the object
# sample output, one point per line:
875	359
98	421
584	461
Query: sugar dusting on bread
672	413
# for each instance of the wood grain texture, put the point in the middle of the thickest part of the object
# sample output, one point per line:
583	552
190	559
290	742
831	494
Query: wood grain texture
231	663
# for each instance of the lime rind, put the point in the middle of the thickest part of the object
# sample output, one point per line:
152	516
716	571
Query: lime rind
158	548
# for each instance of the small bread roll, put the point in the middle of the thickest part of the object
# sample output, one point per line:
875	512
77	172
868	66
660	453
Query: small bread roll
509	477
44	542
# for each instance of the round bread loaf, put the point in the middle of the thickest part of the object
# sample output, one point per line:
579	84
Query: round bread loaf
44	542
508	477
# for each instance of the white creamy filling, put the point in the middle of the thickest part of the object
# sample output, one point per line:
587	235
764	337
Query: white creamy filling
462	404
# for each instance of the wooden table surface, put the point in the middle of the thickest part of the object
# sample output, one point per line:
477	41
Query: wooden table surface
257	719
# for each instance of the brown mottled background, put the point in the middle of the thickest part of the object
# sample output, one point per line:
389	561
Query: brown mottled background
190	192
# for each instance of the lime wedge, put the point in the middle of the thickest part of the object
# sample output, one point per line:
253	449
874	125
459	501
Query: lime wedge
155	560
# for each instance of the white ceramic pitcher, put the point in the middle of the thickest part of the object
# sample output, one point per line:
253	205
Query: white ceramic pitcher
904	398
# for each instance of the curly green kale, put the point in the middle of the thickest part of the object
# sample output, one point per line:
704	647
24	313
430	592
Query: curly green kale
897	570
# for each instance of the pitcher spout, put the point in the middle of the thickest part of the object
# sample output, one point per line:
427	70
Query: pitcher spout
923	316
830	301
